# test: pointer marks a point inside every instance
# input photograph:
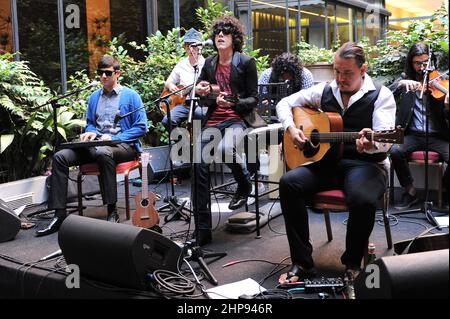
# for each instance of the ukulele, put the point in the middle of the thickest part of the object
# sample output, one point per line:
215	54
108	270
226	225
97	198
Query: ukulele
322	129
214	93
146	215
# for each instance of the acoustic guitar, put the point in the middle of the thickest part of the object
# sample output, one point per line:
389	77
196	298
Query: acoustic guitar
322	129
146	215
174	100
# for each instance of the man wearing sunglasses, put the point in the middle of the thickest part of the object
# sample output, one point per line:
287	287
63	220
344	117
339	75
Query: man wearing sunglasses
103	106
411	116
236	76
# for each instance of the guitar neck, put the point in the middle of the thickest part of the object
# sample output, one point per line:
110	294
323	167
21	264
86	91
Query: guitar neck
144	182
336	137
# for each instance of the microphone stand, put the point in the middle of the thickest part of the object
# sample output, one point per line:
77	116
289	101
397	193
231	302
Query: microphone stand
426	209
193	250
173	207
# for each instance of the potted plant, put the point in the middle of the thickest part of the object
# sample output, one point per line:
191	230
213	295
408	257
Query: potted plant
318	60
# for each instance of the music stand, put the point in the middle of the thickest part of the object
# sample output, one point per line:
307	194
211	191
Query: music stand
196	251
269	94
174	209
426	209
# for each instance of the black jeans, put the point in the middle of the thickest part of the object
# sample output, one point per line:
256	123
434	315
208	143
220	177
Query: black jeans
363	183
107	157
400	155
227	150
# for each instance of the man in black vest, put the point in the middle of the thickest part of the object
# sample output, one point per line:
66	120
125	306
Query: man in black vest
364	106
411	116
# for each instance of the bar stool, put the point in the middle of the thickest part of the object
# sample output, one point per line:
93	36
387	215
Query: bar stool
92	169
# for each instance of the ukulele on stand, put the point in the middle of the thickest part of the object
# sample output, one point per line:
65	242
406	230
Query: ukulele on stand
146	215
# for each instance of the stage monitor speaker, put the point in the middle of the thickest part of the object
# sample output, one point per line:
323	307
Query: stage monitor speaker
9	223
116	253
420	275
159	164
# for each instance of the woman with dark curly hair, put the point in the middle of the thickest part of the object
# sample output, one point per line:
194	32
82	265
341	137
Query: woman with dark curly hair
288	66
235	75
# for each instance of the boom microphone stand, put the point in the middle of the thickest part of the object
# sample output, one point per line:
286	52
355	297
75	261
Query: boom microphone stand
173	207
427	205
55	106
195	252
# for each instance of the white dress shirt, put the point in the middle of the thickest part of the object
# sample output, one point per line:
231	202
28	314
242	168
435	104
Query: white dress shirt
383	113
183	72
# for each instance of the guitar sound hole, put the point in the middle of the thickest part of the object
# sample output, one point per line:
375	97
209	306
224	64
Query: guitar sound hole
309	150
144	202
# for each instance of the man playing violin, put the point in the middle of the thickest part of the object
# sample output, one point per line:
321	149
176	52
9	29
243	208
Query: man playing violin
411	116
103	106
236	75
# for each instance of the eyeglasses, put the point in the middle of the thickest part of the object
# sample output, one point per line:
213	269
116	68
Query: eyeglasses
106	72
420	63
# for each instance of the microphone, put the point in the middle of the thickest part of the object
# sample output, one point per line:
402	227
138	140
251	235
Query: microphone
403	75
208	42
52	255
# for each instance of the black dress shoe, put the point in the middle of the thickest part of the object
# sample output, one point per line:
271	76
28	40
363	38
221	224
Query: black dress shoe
51	228
114	218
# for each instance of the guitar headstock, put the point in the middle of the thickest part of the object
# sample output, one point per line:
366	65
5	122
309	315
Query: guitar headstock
390	136
145	158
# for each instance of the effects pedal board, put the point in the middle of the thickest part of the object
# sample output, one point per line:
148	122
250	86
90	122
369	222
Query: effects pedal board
323	284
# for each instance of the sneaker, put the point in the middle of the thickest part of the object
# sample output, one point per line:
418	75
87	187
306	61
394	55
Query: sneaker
113	218
407	201
349	280
261	189
240	197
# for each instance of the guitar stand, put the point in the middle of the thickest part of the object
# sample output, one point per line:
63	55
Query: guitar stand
195	253
175	210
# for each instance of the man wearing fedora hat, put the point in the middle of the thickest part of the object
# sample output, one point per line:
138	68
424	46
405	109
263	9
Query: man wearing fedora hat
182	75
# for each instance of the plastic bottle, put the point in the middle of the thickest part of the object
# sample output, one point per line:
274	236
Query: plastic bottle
371	256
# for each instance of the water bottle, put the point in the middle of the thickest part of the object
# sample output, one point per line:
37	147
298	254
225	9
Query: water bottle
371	256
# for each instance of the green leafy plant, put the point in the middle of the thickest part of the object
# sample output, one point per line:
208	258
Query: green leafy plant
311	54
387	57
26	130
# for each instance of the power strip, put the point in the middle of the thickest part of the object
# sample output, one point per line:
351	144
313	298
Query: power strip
321	284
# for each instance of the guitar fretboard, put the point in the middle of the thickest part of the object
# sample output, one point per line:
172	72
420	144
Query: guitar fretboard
336	137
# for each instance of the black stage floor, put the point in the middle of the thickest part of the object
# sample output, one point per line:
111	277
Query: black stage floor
255	258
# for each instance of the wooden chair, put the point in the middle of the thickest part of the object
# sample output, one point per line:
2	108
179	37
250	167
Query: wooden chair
92	169
335	200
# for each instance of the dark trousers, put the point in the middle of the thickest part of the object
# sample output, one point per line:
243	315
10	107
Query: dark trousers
363	183
228	151
400	155
107	157
179	114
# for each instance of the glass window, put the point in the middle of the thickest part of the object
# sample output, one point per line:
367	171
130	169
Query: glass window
128	18
269	27
188	18
343	17
372	27
293	36
165	16
360	25
313	22
38	38
76	36
331	26
6	35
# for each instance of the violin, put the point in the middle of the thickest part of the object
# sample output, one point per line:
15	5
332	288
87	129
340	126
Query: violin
438	86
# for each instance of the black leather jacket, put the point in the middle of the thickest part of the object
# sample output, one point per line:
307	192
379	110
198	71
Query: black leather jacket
243	78
405	108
